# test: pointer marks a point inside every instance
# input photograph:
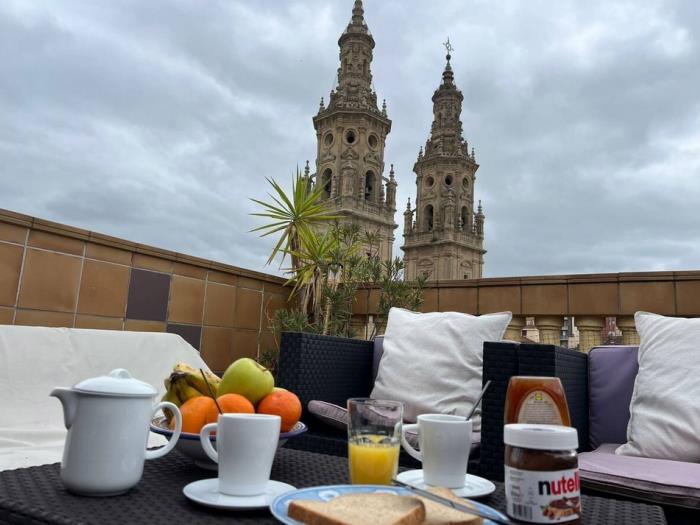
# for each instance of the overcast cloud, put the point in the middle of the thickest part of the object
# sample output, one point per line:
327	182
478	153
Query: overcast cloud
156	121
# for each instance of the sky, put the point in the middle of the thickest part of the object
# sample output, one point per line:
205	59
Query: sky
157	121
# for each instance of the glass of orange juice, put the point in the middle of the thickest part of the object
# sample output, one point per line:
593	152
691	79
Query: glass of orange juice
374	437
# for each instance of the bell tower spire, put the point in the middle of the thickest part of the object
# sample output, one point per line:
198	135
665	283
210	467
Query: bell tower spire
447	240
351	133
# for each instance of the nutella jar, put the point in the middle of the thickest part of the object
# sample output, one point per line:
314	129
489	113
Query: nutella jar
541	473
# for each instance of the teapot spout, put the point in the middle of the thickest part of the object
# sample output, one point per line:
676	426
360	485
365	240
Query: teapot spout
69	400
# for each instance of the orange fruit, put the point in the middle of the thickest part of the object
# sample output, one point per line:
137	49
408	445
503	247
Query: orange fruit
194	413
230	403
284	404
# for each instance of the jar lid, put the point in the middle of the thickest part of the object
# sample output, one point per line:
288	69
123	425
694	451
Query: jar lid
540	437
118	382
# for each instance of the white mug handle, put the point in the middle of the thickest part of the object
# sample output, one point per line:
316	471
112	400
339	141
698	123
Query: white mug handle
408	448
162	451
206	441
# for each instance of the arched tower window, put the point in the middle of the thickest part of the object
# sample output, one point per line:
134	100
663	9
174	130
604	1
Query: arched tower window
370	187
326	182
429	217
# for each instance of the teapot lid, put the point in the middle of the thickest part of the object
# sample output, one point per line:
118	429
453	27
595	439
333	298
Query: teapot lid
118	382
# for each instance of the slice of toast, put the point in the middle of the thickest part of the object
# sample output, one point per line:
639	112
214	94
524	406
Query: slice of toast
438	514
359	509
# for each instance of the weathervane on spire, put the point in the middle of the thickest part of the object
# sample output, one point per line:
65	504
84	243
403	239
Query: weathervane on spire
448	48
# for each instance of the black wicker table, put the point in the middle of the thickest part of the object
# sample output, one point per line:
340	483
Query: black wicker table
35	495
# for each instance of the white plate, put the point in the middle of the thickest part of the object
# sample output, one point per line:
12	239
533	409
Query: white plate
474	486
206	492
280	506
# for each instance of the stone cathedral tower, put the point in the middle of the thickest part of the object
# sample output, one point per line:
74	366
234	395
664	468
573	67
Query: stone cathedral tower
446	240
351	133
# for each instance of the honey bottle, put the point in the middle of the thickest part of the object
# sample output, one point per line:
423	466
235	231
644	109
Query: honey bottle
536	400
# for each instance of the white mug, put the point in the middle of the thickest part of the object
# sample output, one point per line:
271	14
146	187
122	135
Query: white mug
246	445
445	442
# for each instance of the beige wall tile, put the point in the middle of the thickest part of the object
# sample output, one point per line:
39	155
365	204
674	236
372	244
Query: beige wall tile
50	281
656	297
545	299
499	299
12	233
137	325
6	315
216	347
458	299
106	253
430	300
103	289
10	267
593	298
99	323
147	262
247	282
245	344
248	309
186	300
59	243
189	270
222	277
40	318
220	307
688	297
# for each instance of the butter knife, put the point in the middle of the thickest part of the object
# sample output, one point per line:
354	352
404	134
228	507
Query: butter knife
450	503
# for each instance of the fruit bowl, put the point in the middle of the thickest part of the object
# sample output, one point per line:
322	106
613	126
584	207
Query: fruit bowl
190	445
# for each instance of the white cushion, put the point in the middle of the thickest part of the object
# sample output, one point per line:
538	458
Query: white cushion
665	408
433	362
37	359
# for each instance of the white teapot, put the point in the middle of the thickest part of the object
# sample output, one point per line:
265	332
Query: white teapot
108	420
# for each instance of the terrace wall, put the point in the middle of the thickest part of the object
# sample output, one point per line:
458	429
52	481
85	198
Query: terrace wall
56	275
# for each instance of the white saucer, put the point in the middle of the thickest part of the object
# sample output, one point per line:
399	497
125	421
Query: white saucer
474	486
206	492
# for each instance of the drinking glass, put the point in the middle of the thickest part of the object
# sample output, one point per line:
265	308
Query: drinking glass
374	437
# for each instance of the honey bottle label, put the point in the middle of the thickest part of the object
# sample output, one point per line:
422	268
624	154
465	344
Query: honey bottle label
538	407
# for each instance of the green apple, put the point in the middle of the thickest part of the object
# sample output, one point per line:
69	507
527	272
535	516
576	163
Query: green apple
248	378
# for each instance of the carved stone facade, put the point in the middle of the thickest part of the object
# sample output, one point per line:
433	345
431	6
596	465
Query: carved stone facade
351	134
445	241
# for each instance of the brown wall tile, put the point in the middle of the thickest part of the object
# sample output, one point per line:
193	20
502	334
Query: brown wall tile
137	325
545	299
97	322
359	305
460	299
216	347
430	300
222	277
103	289
50	281
688	298
186	300
148	295
6	315
59	243
190	333
12	233
592	299
220	307
10	267
248	309
499	299
189	270
247	282
656	297
272	303
40	318
245	344
373	301
106	253
139	260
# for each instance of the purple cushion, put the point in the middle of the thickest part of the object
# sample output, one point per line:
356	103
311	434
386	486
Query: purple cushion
611	374
337	417
659	480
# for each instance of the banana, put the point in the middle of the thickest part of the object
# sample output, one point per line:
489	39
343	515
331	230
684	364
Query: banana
172	397
180	387
195	380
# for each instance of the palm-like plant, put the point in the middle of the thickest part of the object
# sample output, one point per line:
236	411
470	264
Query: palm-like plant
293	215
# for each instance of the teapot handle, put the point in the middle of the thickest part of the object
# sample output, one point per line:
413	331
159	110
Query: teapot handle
162	451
